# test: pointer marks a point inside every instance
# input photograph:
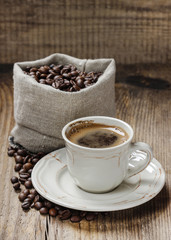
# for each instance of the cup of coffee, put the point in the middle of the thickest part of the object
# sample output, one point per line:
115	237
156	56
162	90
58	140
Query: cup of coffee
98	151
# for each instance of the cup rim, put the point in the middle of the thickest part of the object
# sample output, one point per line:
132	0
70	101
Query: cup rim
93	118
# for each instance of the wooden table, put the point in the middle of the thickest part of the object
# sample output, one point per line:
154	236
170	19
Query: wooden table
143	100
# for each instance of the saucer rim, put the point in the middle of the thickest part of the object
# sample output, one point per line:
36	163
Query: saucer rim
113	208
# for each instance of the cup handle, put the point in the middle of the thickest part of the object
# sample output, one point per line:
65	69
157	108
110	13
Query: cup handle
137	164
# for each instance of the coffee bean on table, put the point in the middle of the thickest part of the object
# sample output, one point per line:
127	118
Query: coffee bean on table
37	198
17	167
16	186
11	152
90	216
48	204
22	152
26	159
27	166
22	171
66	214
26	191
19	159
30	171
76	218
28	184
35	160
38	205
33	191
22	180
26	204
44	210
22	196
31	196
24	175
53	212
14	179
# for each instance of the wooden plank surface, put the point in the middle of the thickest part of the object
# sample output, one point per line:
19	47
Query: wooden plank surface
130	31
143	100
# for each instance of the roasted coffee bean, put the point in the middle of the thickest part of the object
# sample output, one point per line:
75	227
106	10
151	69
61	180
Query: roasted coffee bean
53	212
14	179
44	69
83	214
58	77
67	75
43	210
49	81
76	218
52	65
87	83
16	186
31	196
25	205
27	166
55	85
32	205
26	192
33	69
58	208
26	159
19	159
11	152
22	171
28	200
24	175
17	167
66	214
40	154
22	180
43	76
48	204
56	69
37	198
64	70
28	184
74	73
76	88
38	74
90	216
50	76
22	196
60	211
22	152
80	83
15	154
30	171
38	205
33	191
35	160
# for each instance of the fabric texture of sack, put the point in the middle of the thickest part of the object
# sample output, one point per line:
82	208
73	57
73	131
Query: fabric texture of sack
41	111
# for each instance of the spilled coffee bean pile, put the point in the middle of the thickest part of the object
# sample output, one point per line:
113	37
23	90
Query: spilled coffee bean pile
30	198
63	77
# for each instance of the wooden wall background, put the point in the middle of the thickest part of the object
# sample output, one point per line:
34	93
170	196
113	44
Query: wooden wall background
131	31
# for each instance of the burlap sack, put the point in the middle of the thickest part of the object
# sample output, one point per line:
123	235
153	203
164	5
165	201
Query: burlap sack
41	111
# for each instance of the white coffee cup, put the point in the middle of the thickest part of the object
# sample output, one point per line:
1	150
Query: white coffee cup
101	170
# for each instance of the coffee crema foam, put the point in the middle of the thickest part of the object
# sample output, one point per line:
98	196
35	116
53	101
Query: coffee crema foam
96	135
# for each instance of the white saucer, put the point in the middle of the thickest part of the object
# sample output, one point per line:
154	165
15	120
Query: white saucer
52	180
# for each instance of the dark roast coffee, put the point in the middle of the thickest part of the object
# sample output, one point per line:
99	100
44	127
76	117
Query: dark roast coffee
93	135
